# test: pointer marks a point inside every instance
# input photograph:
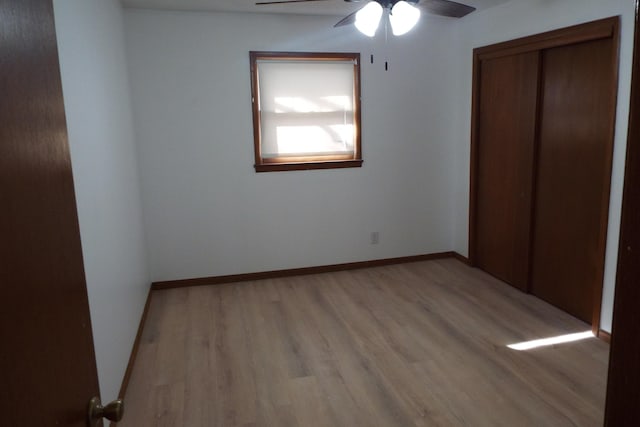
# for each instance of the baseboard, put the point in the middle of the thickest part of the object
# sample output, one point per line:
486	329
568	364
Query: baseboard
216	280
134	349
604	336
461	258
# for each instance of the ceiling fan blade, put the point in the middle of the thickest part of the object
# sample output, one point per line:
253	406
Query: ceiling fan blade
262	3
347	20
446	8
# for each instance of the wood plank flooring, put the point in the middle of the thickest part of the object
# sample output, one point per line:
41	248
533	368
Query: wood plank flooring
420	344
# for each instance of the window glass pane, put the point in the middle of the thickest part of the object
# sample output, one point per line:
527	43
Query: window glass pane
306	108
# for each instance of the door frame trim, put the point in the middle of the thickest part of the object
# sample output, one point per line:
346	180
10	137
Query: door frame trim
595	30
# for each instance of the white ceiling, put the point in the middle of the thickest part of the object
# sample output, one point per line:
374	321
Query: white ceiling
323	7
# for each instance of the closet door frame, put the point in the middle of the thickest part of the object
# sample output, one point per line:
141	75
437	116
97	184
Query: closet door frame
600	29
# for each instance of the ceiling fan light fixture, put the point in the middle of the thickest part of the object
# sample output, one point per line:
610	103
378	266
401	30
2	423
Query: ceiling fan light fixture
403	18
368	18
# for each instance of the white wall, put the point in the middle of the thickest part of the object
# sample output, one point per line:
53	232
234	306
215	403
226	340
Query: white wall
520	18
96	94
208	213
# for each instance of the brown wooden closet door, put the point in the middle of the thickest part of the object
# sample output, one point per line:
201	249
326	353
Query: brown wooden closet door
574	165
505	147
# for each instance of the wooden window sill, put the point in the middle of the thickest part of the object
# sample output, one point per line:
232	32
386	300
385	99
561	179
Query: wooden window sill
282	167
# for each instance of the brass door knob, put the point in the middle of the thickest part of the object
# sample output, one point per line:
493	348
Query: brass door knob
112	411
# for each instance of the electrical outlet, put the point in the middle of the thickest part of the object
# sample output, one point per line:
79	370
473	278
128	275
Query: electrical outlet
375	238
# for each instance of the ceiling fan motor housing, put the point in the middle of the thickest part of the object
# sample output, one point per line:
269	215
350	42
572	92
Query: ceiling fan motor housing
388	4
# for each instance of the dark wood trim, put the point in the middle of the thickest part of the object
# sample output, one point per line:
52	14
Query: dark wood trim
534	172
308	159
603	28
255	90
233	278
308	56
606	193
312	162
604	336
283	167
623	389
134	349
473	167
463	259
600	29
357	96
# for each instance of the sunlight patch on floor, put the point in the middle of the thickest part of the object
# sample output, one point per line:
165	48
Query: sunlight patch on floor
544	342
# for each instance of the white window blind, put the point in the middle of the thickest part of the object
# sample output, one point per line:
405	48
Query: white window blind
306	108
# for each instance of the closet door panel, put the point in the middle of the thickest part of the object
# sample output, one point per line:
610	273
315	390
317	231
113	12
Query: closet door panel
505	148
573	175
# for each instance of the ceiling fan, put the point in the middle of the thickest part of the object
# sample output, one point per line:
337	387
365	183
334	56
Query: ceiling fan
403	14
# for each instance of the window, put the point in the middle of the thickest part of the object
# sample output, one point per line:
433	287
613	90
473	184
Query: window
306	110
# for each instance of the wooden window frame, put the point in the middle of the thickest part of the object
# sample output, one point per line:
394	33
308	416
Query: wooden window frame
333	161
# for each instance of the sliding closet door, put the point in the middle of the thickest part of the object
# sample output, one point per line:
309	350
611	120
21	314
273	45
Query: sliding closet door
504	170
573	175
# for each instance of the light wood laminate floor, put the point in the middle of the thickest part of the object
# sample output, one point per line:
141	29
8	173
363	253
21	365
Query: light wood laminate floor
419	344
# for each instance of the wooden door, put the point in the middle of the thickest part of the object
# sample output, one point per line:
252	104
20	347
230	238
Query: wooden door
623	390
504	151
48	368
573	176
